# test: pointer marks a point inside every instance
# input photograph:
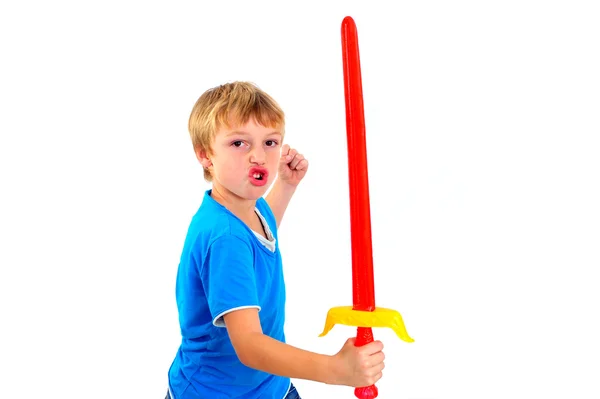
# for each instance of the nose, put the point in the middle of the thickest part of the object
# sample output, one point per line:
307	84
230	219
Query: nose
258	156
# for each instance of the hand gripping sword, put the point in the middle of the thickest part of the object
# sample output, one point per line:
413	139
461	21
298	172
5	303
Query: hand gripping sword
363	314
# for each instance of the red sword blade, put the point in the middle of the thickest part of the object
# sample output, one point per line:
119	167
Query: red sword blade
363	287
360	219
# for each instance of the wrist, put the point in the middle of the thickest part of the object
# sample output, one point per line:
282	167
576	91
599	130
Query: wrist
285	186
332	376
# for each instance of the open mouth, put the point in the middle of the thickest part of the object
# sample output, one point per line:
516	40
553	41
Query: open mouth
258	176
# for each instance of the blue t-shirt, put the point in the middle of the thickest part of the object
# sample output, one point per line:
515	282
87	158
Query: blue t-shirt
223	266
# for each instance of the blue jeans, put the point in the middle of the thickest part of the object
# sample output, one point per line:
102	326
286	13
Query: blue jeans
292	393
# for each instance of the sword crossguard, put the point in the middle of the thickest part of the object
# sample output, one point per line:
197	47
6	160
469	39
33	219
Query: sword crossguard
380	317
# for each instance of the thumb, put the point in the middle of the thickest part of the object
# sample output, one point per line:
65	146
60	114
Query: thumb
373	347
284	162
350	341
285	150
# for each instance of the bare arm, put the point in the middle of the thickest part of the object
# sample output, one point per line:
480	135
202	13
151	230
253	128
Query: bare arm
279	197
292	169
351	366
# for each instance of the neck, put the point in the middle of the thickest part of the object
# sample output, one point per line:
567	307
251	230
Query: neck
240	207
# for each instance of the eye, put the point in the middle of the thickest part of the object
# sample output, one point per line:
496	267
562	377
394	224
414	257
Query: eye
271	143
237	143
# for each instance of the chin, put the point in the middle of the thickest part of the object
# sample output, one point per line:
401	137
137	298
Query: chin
257	192
252	193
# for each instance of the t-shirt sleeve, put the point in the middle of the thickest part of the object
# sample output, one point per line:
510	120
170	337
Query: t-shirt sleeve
228	278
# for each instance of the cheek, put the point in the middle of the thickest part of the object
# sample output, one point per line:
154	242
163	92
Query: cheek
273	157
232	167
226	165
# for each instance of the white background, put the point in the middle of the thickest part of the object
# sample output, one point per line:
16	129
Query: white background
482	128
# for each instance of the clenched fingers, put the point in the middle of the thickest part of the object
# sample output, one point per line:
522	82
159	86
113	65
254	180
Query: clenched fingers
295	160
376	358
372	347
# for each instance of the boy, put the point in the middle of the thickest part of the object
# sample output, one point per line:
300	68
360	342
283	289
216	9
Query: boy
230	289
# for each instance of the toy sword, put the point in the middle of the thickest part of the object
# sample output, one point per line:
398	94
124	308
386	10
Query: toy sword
363	314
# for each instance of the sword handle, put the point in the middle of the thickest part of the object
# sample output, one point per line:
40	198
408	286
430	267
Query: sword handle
364	335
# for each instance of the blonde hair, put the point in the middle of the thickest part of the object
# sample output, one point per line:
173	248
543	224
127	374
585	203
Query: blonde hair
230	105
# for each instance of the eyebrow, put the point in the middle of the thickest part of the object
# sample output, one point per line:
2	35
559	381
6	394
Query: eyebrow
243	133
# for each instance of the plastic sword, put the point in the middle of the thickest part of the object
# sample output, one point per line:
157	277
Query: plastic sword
363	314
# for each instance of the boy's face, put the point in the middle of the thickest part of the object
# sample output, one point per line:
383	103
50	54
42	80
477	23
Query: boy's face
245	159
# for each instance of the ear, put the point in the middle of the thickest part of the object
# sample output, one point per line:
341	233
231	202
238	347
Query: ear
203	158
